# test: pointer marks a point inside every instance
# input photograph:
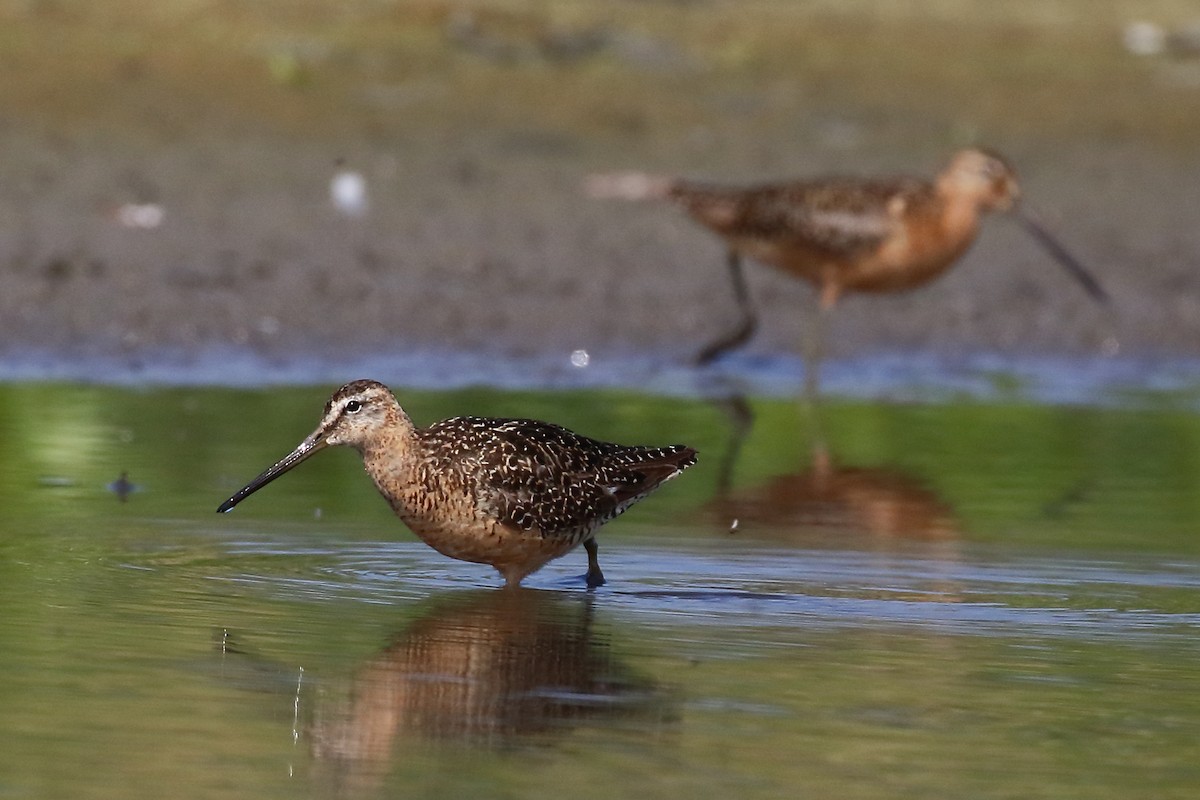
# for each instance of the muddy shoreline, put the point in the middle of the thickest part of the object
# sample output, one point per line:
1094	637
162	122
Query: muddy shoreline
478	238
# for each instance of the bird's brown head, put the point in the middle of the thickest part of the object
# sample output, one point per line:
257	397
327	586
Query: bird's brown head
982	176
357	412
991	183
355	415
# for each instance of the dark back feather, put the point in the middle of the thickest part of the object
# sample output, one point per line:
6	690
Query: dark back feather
536	475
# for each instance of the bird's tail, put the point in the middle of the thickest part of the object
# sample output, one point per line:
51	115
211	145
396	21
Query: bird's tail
627	186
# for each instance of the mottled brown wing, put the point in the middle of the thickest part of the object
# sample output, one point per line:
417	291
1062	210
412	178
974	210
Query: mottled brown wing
535	475
840	216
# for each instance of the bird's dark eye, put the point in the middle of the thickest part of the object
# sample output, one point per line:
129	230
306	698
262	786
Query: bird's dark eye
353	407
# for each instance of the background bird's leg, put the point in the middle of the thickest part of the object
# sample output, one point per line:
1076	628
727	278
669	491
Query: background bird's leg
741	418
814	344
749	322
594	576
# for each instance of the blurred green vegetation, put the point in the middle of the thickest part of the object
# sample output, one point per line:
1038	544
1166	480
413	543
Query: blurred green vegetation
1016	473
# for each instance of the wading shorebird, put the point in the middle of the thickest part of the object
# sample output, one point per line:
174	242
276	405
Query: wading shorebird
513	493
845	234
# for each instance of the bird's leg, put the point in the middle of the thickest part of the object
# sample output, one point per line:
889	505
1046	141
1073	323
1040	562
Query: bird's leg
814	346
741	417
749	322
594	576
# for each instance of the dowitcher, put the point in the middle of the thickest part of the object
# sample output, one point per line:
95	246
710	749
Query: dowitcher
513	493
846	234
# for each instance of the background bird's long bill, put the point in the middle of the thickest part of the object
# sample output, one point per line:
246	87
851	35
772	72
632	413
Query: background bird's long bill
309	446
1061	254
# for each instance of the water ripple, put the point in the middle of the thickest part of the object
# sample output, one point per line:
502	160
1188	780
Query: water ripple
780	588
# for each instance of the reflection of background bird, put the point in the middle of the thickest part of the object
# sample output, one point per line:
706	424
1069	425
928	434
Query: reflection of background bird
828	498
847	234
483	669
870	511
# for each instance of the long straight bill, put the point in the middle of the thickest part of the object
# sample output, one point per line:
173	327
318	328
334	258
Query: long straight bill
1039	232
309	446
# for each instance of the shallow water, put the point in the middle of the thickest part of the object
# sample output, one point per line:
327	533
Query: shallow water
981	597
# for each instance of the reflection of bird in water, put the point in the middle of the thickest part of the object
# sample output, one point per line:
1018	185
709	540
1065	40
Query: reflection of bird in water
827	498
484	669
513	493
847	234
874	511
